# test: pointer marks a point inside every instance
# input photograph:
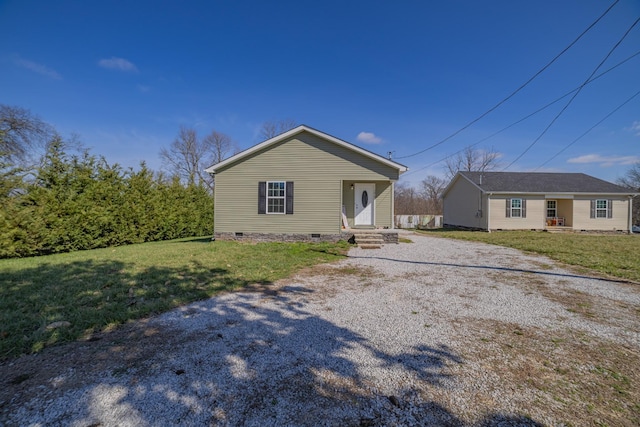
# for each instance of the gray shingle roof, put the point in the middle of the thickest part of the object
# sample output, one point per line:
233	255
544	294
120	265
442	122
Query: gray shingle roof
542	182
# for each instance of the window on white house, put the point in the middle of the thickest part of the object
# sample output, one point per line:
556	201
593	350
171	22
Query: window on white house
516	208
552	208
602	207
276	197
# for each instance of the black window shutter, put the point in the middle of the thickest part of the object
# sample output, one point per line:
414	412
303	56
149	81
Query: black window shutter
289	198
262	197
609	208
508	212
593	209
524	208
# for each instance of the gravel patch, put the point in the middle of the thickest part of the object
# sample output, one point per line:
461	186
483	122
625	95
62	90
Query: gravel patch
400	340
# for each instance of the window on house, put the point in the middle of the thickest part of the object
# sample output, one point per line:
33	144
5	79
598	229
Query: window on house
552	208
276	197
516	208
602	207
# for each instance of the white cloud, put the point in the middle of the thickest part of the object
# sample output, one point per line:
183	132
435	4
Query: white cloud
120	64
635	128
369	138
605	161
38	68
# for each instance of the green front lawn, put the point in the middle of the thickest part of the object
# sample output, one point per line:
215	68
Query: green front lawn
98	289
614	255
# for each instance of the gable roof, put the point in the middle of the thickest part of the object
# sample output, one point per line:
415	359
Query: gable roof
541	182
297	130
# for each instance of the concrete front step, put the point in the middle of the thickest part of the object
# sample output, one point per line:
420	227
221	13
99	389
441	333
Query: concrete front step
368	240
369	246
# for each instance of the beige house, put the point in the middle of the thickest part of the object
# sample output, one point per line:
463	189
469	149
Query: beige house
536	201
303	185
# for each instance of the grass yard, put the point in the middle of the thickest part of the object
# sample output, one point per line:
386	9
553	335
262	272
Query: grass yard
613	255
96	290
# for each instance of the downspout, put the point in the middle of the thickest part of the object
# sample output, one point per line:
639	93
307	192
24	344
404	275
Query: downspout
489	212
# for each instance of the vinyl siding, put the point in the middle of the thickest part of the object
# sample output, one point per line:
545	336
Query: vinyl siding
565	210
582	214
317	168
535	217
464	205
383	206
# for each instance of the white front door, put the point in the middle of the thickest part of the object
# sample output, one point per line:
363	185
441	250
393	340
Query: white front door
365	195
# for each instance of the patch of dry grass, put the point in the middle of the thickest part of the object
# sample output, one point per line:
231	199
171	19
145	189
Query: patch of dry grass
580	380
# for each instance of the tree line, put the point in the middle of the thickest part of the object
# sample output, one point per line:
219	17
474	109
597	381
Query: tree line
426	198
56	196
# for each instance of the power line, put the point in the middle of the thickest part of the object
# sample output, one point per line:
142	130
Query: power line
525	117
518	89
574	95
589	130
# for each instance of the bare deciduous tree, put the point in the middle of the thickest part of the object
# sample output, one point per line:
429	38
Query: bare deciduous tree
220	146
432	188
408	201
632	180
472	160
273	128
21	133
187	156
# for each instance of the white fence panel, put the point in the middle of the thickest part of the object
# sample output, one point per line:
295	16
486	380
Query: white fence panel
418	221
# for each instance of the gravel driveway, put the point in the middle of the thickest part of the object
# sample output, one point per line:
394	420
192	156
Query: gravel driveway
434	332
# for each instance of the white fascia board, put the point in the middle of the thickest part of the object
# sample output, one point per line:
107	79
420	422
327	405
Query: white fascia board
302	128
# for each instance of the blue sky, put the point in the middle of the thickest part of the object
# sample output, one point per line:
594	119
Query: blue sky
388	76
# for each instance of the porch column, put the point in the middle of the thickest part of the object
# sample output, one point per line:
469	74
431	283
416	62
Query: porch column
489	212
393	205
630	216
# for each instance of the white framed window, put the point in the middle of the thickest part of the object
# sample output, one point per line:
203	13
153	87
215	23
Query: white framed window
276	197
602	207
516	208
552	208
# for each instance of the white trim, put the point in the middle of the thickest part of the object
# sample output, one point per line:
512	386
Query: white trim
297	130
547	208
605	209
511	208
284	198
489	212
630	215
